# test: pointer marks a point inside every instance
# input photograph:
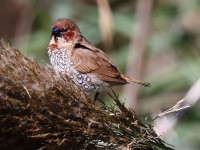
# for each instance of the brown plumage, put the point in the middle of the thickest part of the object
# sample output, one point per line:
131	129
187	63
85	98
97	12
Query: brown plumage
83	59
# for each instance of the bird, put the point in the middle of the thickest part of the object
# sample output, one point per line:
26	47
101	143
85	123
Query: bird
71	54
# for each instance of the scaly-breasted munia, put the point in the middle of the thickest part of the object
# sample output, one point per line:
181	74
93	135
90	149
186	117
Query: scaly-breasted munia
89	67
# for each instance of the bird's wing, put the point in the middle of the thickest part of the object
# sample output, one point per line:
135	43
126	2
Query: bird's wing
89	59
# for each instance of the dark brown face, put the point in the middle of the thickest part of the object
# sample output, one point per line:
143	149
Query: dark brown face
65	28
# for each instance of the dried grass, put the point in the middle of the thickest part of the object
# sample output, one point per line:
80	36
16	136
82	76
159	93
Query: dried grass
39	110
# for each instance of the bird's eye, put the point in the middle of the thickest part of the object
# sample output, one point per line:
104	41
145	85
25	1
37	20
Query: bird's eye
64	30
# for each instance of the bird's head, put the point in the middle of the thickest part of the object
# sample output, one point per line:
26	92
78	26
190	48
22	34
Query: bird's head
64	31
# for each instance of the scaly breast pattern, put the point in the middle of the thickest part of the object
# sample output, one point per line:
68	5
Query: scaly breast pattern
62	63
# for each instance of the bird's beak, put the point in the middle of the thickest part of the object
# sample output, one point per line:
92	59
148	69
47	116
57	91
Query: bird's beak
56	31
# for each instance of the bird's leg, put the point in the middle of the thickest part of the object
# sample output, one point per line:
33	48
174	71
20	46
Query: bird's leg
96	96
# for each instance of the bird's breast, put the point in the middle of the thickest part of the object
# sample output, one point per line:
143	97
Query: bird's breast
60	60
62	63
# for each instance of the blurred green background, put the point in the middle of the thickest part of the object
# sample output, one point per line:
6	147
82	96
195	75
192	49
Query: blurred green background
172	49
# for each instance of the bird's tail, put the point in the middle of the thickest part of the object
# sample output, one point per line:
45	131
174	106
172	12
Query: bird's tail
132	80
